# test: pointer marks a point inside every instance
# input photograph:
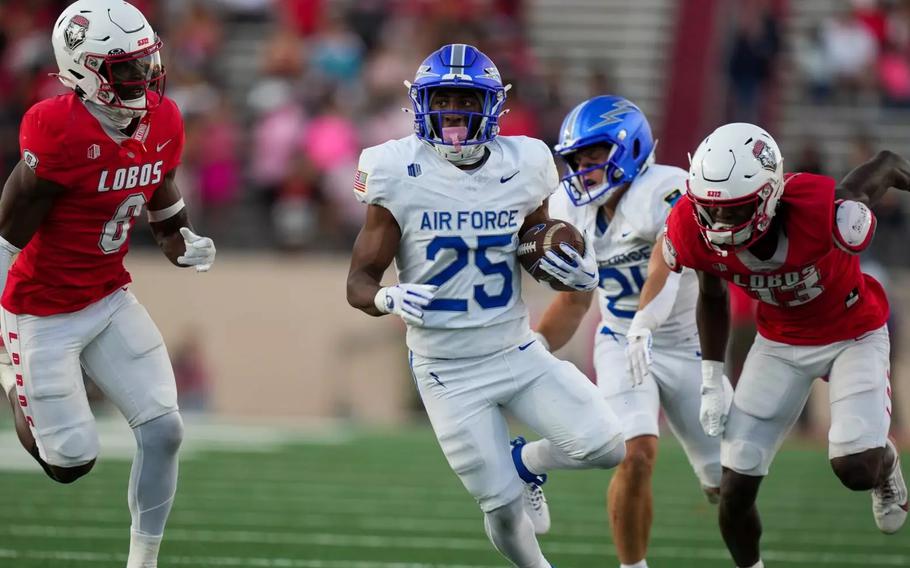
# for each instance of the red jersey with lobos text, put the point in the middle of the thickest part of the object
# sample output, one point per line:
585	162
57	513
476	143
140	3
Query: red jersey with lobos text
76	256
811	291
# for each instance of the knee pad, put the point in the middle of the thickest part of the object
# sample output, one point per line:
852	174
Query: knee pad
640	424
744	457
71	447
708	473
609	455
851	435
163	434
505	518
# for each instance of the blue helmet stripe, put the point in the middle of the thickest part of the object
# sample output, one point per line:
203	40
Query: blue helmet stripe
572	122
456	58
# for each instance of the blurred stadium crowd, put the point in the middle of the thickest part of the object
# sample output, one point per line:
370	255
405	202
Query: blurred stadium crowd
280	95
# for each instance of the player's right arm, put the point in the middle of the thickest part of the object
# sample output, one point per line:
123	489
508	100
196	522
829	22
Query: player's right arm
375	248
25	202
712	314
655	304
373	252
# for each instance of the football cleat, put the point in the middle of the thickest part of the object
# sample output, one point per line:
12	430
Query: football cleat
534	499
889	500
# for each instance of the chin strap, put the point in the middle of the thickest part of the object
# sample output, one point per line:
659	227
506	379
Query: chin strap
118	118
465	160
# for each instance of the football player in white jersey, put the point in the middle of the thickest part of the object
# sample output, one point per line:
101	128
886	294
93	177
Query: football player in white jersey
448	204
614	189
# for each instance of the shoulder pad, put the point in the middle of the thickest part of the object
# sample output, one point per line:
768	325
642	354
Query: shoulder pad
854	226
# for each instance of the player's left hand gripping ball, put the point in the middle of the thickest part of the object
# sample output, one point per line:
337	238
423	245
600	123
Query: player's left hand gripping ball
578	272
200	251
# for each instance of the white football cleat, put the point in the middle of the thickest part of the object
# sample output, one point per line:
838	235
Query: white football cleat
536	507
534	499
889	501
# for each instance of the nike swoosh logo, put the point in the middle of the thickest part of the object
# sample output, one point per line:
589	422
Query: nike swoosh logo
526	345
504	179
160	147
626	234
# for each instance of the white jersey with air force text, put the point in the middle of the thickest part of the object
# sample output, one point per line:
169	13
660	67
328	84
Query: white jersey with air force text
459	230
623	247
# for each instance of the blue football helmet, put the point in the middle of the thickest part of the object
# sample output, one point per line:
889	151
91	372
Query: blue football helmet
615	123
465	67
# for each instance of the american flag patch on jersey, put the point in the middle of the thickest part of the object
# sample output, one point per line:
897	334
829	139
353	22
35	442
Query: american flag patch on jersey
360	181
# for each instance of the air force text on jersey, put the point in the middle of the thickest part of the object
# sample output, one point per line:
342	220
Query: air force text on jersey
475	220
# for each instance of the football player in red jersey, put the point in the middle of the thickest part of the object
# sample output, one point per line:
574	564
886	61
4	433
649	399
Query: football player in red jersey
91	161
790	241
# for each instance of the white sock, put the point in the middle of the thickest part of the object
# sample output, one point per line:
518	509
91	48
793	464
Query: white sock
542	456
143	551
640	564
758	564
511	532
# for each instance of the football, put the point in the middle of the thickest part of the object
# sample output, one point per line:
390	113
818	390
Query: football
540	238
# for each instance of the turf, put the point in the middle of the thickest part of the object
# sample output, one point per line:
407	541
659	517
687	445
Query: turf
389	501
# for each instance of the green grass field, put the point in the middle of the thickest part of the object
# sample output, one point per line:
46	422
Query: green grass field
390	501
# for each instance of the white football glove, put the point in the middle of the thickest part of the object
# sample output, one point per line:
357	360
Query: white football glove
638	355
716	398
579	273
405	300
200	251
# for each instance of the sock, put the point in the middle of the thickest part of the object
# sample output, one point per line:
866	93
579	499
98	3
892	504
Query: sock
758	564
541	456
153	483
511	532
640	564
143	551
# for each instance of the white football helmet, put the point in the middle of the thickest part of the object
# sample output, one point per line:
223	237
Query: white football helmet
736	179
109	54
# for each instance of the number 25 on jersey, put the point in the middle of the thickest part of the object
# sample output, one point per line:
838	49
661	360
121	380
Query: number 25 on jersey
502	270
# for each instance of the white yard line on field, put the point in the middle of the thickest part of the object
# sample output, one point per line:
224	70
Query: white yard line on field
199	519
387	542
226	560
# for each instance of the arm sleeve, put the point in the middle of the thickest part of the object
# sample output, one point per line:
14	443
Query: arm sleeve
43	149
